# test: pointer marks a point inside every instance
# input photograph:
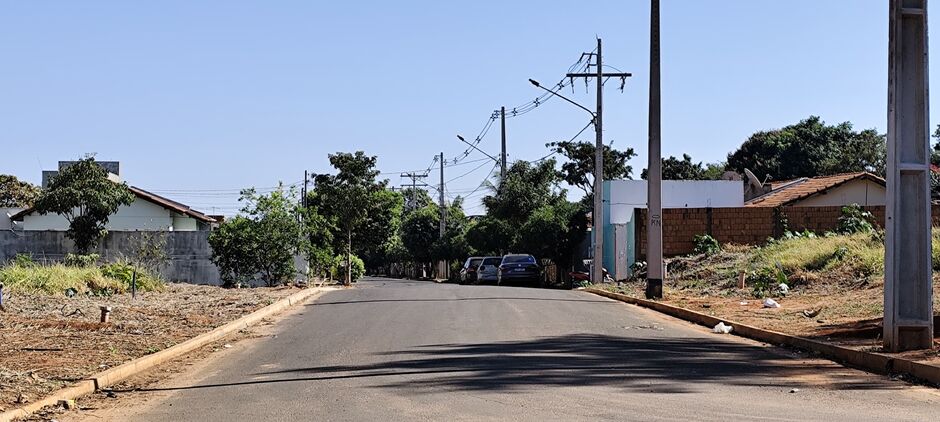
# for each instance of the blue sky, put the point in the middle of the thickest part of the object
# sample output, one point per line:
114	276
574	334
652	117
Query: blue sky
199	99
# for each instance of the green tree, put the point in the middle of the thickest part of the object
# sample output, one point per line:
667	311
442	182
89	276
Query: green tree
263	239
17	193
810	148
355	202
318	231
420	231
684	169
526	188
554	231
490	236
233	245
83	194
714	171
578	170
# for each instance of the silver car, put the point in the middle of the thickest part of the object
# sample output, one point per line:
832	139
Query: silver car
489	269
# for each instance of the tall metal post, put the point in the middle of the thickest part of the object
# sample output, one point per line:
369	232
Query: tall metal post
597	224
502	161
908	301
654	209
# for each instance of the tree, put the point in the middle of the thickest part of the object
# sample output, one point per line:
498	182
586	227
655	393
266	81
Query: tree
490	236
554	232
83	194
263	239
15	193
349	199
318	231
676	169
420	231
714	171
578	170
810	148
526	188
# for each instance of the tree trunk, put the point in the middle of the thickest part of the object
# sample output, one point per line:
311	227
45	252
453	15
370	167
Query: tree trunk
349	258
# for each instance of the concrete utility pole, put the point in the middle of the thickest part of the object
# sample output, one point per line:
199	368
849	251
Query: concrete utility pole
414	186
303	193
443	206
502	161
597	217
908	319
654	208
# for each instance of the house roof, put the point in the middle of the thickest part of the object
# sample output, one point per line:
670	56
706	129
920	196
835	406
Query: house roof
788	192
149	197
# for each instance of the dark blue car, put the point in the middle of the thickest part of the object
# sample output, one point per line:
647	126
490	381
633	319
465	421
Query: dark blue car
518	267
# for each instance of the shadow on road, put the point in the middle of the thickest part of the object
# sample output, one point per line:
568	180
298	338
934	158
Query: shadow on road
660	365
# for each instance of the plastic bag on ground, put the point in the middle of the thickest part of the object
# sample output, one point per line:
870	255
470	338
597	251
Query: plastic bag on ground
770	303
721	328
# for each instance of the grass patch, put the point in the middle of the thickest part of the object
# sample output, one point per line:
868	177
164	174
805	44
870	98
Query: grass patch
58	278
860	253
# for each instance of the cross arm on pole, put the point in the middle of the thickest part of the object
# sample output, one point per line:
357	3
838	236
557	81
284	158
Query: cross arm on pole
475	147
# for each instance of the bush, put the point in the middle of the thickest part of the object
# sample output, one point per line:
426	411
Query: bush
24	260
124	272
81	261
706	244
339	267
854	219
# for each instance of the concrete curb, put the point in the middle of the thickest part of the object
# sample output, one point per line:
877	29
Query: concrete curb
868	361
119	373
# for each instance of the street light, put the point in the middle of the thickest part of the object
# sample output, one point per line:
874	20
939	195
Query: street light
536	83
475	147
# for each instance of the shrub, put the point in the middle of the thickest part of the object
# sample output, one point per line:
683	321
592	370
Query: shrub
24	260
339	267
706	244
124	272
854	219
80	260
764	280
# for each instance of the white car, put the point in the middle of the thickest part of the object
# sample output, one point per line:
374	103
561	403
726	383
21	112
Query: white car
489	269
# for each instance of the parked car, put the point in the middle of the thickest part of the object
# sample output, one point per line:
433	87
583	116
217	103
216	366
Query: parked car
468	273
518	267
489	269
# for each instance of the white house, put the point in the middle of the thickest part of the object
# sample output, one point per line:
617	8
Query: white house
148	212
623	197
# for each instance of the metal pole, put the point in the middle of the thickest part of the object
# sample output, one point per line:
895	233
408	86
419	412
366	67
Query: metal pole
654	209
597	224
134	284
908	301
502	123
303	199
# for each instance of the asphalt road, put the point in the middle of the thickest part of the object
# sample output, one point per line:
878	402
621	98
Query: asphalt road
396	350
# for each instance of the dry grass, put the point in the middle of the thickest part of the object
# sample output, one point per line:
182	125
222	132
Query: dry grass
58	278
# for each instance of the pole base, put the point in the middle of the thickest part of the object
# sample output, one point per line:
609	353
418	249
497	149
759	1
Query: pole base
654	289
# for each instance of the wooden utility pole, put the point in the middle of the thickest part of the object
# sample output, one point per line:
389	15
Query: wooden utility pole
908	301
502	161
654	207
597	224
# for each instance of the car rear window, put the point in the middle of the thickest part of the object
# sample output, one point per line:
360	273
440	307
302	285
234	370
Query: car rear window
491	261
512	259
474	262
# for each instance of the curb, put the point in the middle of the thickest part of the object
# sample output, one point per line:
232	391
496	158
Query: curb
871	362
121	372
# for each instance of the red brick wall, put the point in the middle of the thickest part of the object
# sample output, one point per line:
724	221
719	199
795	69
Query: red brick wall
746	225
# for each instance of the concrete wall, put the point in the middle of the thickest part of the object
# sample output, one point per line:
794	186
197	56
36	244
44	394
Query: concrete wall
189	252
624	196
139	215
862	192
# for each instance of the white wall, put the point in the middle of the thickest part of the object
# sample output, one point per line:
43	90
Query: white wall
139	215
627	195
862	192
5	223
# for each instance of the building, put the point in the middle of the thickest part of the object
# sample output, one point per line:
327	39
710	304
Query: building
622	199
148	212
860	188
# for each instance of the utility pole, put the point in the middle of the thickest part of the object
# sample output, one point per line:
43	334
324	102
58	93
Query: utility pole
597	224
502	124
654	207
414	186
908	301
443	207
303	192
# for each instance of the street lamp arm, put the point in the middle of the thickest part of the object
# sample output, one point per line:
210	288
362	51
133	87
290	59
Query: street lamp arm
536	83
475	147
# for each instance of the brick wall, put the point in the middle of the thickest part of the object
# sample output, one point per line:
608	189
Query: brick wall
746	225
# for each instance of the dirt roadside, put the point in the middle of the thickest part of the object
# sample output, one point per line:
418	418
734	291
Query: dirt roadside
47	342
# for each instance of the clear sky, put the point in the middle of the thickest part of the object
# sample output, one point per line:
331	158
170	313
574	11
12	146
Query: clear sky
199	99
